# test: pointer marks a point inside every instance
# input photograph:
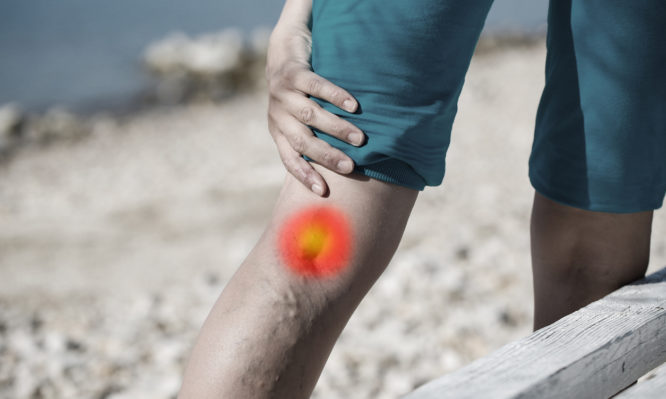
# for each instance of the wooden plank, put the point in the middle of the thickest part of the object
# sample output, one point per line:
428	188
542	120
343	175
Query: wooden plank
594	352
654	386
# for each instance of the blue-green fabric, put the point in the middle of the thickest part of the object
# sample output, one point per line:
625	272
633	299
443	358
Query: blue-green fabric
405	63
600	137
599	141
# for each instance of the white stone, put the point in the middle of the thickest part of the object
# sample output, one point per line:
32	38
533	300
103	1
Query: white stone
208	54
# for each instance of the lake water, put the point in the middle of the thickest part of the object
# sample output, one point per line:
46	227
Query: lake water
85	54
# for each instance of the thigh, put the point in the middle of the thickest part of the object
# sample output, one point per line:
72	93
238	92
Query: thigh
600	138
405	62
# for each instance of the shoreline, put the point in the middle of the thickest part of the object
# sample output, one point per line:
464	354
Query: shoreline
142	96
174	80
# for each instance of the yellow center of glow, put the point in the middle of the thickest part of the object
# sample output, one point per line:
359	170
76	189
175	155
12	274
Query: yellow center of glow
313	240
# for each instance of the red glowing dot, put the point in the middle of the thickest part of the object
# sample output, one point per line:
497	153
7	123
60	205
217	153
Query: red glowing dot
316	241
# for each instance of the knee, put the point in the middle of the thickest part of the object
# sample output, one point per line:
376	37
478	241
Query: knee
291	289
595	266
589	247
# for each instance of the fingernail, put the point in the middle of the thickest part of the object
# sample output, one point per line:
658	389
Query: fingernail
318	189
355	138
348	105
345	165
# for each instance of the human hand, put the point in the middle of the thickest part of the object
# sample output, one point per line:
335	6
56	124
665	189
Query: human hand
290	111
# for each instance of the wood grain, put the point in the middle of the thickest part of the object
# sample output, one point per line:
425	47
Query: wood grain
653	387
594	352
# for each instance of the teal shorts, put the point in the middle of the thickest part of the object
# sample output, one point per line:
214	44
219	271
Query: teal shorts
600	137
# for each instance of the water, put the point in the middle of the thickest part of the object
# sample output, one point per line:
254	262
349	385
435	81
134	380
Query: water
85	54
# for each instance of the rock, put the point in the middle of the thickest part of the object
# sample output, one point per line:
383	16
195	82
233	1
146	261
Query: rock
508	318
54	342
11	123
55	125
22	344
212	278
259	40
172	88
209	54
25	382
207	67
166	353
462	252
450	360
108	391
36	322
397	383
204	66
74	345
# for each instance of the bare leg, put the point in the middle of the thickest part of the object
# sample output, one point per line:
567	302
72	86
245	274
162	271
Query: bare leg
579	256
270	332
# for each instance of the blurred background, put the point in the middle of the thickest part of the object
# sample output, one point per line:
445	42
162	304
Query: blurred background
85	54
137	172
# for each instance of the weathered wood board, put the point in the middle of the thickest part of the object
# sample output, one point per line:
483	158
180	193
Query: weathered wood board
654	387
594	352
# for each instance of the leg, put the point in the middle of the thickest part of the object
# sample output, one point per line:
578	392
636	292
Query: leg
271	331
579	256
598	162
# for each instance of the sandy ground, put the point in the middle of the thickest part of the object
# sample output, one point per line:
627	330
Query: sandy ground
114	248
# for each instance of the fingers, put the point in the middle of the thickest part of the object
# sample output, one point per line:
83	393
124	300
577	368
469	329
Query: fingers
310	113
299	167
291	113
312	84
304	142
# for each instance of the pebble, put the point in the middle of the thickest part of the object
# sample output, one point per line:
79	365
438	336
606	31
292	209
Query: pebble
11	121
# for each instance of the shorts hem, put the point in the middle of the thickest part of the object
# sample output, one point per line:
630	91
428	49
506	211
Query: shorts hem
393	171
390	170
556	195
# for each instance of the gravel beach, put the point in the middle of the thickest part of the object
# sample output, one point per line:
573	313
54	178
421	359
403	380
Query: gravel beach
114	247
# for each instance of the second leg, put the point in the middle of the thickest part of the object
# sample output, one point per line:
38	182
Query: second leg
579	256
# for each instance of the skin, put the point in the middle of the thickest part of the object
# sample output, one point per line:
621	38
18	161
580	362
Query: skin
271	331
579	256
290	81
